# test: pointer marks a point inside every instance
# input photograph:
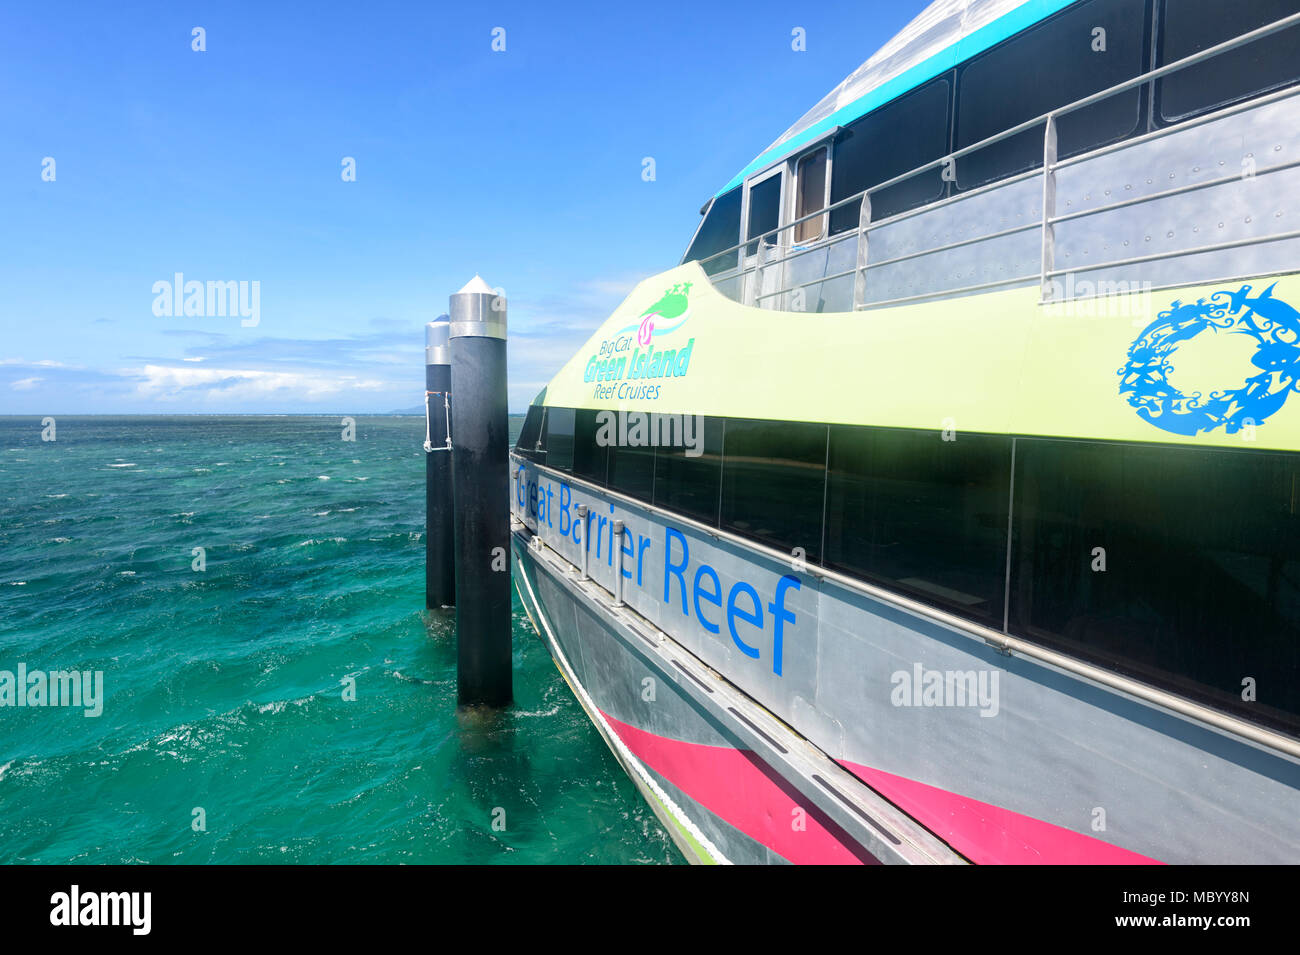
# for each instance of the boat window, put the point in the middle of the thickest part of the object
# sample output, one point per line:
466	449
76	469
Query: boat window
810	180
773	482
589	457
632	471
1122	554
688	482
921	515
1085	49
900	136
1179	566
1188	26
720	230
764	211
530	434
559	438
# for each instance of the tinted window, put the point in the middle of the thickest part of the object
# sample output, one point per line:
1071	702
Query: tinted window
773	482
1201	582
1188	26
588	456
896	138
1047	66
764	211
559	438
686	482
530	435
922	515
632	471
720	230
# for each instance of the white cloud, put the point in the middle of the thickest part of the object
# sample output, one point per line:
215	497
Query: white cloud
25	384
164	382
43	363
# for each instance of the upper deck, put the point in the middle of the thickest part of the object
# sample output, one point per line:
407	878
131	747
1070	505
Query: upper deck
1084	148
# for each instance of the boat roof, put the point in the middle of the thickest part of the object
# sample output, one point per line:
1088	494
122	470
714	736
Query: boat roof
944	34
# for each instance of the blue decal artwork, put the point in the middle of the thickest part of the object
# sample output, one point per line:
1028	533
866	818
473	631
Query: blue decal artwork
1274	324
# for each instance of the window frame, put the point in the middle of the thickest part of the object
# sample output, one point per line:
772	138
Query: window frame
730	267
1141	93
1156	96
753	182
796	193
858	128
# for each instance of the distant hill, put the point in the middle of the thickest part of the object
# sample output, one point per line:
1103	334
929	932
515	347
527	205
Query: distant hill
419	409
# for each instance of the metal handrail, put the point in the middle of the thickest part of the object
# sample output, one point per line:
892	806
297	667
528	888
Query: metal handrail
1177	253
953	245
1166	193
940	292
805	250
1047	170
817	281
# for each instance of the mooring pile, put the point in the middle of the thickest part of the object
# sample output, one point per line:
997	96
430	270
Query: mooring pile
467	523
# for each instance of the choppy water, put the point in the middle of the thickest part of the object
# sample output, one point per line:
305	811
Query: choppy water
224	689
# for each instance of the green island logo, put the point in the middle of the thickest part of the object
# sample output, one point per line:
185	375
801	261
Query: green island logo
624	363
672	304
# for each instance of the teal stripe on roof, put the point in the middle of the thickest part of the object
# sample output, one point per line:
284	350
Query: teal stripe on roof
987	36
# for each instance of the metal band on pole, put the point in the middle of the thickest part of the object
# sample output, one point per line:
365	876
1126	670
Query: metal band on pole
439	532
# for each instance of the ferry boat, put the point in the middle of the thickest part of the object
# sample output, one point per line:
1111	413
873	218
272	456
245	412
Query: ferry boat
940	506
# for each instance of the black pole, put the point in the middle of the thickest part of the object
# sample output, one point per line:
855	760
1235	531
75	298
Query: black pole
481	483
439	533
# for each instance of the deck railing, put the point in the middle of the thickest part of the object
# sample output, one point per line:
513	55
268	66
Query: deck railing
773	253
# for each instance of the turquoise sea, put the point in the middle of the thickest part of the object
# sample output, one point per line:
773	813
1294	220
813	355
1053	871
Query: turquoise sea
224	687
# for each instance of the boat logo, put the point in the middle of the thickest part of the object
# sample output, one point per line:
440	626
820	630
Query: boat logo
1275	326
672	305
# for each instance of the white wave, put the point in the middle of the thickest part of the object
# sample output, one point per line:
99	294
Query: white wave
551	712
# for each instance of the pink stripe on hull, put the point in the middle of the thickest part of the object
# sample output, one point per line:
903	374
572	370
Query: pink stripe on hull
989	834
729	784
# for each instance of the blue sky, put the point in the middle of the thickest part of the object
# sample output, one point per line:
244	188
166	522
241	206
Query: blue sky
225	165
